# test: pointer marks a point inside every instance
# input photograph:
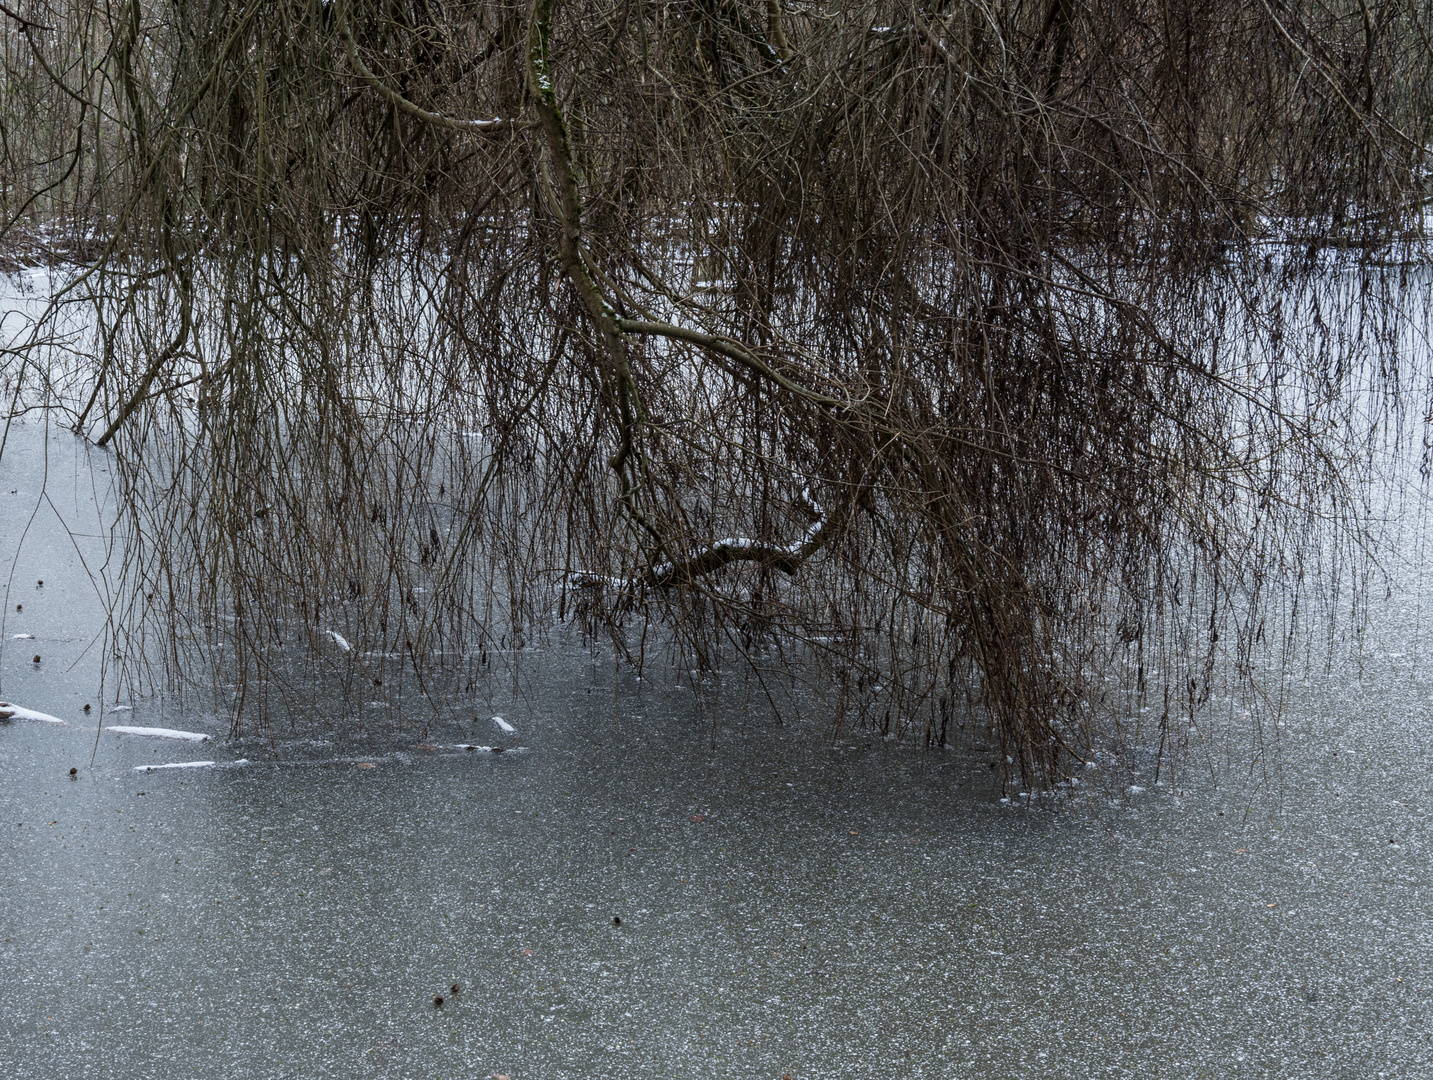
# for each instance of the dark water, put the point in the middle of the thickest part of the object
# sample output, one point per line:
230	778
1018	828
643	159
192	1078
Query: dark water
786	906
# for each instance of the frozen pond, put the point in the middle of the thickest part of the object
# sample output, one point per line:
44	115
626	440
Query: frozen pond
786	905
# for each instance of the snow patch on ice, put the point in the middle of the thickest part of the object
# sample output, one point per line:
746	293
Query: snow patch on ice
339	640
504	724
159	733
176	765
473	747
19	712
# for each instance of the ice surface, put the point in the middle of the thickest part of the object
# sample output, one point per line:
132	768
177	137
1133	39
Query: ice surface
310	915
299	921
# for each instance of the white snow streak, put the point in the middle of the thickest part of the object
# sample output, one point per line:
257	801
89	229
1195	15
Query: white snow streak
18	712
475	748
159	733
175	765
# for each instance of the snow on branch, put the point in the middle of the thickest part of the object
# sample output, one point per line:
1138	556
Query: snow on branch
712	557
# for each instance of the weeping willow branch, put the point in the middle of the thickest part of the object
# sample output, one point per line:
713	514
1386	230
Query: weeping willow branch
568	201
403	104
732	351
775	35
162	360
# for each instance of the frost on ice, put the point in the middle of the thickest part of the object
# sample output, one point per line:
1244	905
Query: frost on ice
159	733
18	712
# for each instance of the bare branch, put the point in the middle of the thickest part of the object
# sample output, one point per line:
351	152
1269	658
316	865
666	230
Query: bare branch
25	24
404	105
706	560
